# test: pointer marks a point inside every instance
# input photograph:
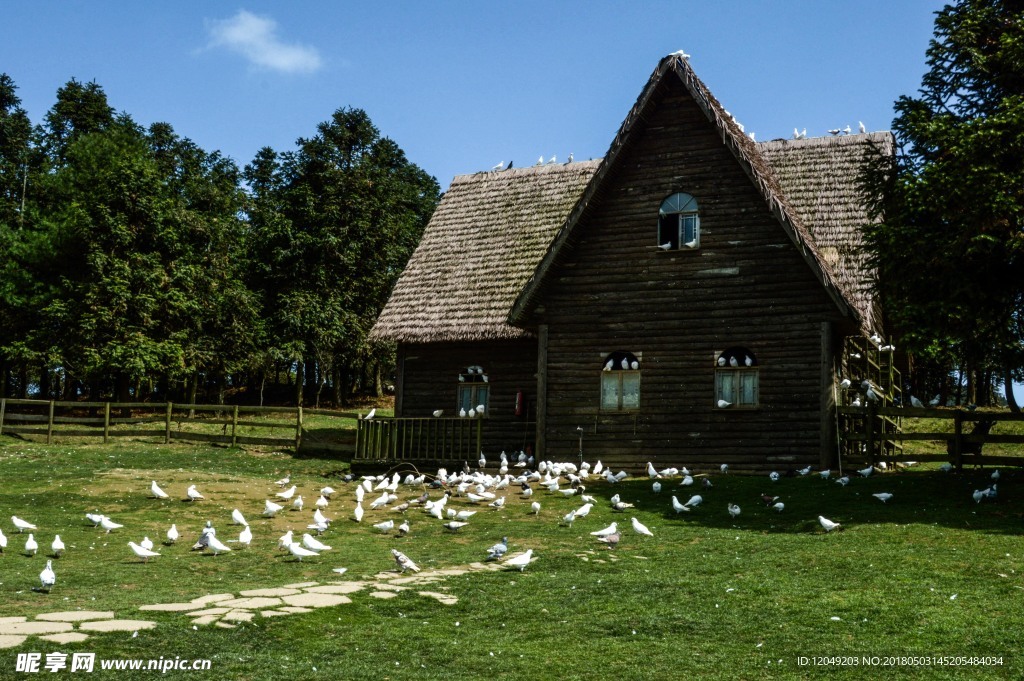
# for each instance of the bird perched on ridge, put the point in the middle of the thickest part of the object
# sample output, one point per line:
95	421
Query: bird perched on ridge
157	492
142	552
370	414
404	562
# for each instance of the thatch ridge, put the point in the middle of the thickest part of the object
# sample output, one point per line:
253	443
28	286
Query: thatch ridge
481	245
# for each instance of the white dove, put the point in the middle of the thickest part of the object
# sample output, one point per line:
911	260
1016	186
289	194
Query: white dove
216	545
404	562
270	508
321	502
108	524
865	472
403	529
844	481
724	468
360	493
239	519
520	561
778	506
297	504
695	500
382	500
454	525
172	534
31	545
245	536
656	487
3	541
157	492
569	518
314	544
882	496
358	513
825	473
193	494
686	481
47	578
827	524
320	519
733	509
142	552
299	551
57	546
804	471
287	494
94	518
22	525
146	543
640	528
535	507
284	481
385	526
584	510
326	491
284	540
611	529
678	507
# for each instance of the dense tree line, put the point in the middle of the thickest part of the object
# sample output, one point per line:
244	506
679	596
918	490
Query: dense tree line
950	245
136	265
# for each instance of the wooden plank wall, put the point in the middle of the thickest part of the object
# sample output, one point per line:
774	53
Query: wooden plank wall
430	381
746	286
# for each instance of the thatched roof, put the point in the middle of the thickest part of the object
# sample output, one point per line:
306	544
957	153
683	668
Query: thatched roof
481	245
494	236
819	177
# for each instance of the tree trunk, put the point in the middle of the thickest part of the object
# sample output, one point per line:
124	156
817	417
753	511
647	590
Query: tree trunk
193	388
44	383
299	380
23	377
378	380
1011	399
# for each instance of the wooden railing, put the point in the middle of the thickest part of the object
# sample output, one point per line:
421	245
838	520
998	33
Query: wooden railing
165	421
418	439
969	431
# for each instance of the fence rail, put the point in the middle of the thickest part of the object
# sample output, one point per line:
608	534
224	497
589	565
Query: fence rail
418	439
964	441
46	417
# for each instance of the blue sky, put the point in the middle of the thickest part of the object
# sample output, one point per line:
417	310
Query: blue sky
463	85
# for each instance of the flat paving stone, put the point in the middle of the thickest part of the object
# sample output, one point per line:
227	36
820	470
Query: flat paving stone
384	586
273	591
239	616
249	603
212	598
171	607
446	599
337	588
69	637
206	619
117	625
5	620
300	585
316	600
295	609
225	625
383	594
417	580
11	641
209	611
76	615
274	613
36	628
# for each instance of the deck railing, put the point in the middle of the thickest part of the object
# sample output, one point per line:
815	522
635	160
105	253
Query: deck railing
418	439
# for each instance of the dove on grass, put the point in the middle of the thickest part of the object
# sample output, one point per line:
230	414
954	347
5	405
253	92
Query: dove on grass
385	526
733	509
640	528
142	552
300	551
57	547
192	494
882	496
239	519
520	561
172	534
498	550
216	545
828	524
314	544
270	509
611	529
146	543
31	545
157	492
108	524
47	578
22	525
404	562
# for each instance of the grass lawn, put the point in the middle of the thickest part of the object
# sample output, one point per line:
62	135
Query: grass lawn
930	573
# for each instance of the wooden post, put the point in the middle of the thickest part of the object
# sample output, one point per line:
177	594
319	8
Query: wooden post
167	426
958	442
298	428
234	426
869	430
479	437
49	424
827	404
106	422
3	408
540	427
359	440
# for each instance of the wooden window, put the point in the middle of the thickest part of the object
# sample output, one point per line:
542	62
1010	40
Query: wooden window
474	392
620	382
736	379
678	223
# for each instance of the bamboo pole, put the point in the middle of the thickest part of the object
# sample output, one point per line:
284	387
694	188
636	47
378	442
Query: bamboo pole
106	422
234	426
167	427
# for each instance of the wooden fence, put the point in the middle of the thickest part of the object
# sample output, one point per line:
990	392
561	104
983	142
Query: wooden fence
165	421
865	435
418	439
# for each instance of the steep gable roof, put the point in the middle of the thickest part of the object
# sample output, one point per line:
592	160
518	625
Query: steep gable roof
481	245
750	160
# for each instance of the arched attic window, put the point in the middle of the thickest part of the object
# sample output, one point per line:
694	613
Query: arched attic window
678	223
474	392
620	382
736	378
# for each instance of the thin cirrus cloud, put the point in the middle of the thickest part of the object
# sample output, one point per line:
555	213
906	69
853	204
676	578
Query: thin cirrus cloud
255	38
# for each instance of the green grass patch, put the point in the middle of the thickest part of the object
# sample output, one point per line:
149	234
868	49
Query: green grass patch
929	573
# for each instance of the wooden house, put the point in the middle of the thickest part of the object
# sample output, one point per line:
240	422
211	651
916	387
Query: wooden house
683	300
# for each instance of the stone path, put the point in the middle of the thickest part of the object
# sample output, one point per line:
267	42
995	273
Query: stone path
227	610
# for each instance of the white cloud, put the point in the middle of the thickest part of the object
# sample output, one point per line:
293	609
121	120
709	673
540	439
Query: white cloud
255	38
